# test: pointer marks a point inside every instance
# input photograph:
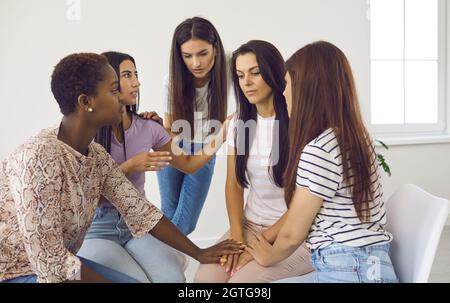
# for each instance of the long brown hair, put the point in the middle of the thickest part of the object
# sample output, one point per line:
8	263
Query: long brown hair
181	81
271	66
324	96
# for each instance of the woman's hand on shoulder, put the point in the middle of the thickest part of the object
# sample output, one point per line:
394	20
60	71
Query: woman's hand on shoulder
152	116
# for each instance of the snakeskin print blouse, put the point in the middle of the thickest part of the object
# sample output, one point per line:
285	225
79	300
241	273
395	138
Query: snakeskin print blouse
48	196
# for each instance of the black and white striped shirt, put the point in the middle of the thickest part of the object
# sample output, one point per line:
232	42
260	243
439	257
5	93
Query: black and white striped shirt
321	171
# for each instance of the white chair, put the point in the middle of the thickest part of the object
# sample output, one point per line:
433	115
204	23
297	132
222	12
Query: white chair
416	219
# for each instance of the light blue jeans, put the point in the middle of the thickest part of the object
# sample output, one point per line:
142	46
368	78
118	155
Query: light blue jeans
344	264
110	242
183	195
105	272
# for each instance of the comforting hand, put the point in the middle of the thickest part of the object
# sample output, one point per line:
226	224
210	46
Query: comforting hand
147	161
152	116
244	259
261	250
229	262
213	254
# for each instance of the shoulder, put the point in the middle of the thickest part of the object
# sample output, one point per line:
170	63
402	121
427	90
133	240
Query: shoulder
238	126
40	150
146	124
323	149
150	133
326	142
44	144
101	155
98	149
103	159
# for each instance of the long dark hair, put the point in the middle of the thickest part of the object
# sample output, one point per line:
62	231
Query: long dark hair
104	134
181	81
271	66
324	96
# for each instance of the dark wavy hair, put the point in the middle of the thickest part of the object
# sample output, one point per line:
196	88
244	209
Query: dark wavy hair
74	75
272	69
104	134
181	81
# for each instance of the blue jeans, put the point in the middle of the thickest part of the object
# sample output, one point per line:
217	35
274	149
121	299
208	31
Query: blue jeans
105	272
183	195
344	264
110	242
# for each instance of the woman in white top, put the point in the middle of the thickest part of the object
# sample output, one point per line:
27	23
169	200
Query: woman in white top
336	205
257	161
197	94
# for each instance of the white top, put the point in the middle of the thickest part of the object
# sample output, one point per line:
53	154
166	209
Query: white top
321	171
201	113
265	202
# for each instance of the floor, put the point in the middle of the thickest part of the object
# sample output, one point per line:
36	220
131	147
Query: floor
440	273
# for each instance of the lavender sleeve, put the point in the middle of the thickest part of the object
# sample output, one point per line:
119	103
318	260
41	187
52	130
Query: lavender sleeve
159	133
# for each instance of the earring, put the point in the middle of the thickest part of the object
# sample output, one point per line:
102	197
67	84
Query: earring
90	109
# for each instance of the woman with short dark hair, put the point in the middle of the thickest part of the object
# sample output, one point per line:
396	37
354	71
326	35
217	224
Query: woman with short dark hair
50	186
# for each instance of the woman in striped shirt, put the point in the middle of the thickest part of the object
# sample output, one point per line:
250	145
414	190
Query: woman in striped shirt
336	205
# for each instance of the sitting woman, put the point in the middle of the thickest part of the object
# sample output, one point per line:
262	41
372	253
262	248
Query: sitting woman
335	195
109	241
257	161
50	186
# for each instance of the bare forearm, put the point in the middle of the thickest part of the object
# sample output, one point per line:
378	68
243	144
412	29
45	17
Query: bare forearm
200	158
194	162
168	233
283	247
235	209
272	232
288	240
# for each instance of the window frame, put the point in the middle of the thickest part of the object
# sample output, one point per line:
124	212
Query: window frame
396	133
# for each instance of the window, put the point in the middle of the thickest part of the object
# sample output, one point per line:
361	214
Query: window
407	66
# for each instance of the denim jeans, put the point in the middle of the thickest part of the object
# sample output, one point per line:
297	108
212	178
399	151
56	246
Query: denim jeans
183	195
105	272
344	264
110	242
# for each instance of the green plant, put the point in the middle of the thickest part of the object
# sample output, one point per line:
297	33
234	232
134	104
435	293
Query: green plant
382	160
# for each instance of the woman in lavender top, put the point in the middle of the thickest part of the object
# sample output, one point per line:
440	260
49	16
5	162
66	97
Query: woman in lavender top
109	241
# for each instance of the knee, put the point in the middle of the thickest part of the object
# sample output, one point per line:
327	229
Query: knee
210	273
172	275
167	270
243	279
247	275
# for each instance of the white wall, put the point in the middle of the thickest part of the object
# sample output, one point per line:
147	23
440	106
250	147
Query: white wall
427	166
35	35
